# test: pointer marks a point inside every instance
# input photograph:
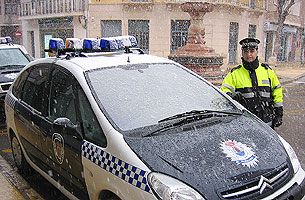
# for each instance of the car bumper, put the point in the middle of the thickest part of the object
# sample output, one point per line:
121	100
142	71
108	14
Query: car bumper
294	189
296	192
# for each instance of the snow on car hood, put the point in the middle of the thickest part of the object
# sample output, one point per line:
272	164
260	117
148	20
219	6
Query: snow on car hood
9	75
213	157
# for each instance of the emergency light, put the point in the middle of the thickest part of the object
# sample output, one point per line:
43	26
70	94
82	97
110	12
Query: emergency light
56	44
74	43
91	44
106	44
119	42
5	40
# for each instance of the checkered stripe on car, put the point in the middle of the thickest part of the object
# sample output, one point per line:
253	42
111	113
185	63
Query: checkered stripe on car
129	173
10	100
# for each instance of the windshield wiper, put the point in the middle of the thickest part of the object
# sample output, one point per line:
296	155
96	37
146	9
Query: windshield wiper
11	66
198	113
189	117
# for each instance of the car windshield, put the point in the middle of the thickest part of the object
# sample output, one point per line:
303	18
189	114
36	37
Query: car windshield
140	95
13	57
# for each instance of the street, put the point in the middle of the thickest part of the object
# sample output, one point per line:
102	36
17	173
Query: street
291	130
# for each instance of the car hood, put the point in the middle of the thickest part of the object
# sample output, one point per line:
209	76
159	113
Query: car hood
9	75
213	158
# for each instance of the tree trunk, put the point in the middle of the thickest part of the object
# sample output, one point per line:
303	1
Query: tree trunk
283	7
278	39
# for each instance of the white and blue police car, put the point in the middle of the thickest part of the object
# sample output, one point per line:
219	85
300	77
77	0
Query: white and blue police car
13	58
124	125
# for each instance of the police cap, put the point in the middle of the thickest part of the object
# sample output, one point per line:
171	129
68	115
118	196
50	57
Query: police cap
249	43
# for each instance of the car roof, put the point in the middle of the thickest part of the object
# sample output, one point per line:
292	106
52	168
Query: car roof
13	46
100	60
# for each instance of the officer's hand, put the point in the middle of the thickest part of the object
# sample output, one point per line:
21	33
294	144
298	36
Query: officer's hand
278	118
277	121
238	97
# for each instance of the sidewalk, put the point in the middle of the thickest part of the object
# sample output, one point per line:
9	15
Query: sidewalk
289	74
13	186
7	190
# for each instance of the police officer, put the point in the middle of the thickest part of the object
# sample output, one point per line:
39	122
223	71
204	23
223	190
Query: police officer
255	85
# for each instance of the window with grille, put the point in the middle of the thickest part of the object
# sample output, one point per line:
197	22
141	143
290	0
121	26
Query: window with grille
252	31
11	7
111	28
140	29
233	37
179	33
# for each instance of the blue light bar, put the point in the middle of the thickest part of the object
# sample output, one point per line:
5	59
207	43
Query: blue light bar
109	44
116	43
8	39
5	40
74	43
56	44
91	44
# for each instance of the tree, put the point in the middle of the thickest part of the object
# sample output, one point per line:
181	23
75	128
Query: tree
283	10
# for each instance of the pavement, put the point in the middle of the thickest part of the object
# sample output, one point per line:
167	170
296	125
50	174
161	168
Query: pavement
12	185
289	74
10	190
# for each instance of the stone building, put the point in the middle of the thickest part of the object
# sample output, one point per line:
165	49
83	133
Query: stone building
160	26
9	22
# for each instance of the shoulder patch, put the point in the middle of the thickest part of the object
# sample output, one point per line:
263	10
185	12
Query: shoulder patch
266	66
239	66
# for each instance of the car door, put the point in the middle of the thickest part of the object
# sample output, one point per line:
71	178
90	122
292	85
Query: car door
63	142
30	109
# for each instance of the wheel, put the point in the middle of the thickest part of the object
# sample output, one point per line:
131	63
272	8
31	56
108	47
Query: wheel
18	156
2	114
107	195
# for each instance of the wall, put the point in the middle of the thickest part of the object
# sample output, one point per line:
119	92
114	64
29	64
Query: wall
216	23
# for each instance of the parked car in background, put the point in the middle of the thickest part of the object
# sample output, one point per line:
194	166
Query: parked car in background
12	60
130	126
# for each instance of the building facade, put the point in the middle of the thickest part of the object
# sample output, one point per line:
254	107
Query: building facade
9	22
160	26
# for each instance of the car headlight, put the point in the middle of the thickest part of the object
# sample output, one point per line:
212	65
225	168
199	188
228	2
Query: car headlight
292	155
168	188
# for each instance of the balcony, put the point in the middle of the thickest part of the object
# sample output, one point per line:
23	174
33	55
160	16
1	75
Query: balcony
253	4
50	7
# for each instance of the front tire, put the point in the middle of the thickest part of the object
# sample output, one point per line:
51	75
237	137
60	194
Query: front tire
18	156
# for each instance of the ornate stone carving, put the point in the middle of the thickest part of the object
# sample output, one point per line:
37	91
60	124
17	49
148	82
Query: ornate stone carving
195	54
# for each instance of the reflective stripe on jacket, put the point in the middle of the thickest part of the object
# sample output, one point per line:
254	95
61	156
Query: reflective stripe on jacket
269	92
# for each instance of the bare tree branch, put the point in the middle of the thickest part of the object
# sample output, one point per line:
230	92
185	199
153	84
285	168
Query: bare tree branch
291	2
283	10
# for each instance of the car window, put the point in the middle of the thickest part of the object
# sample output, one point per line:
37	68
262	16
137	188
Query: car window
140	95
91	127
12	57
20	80
62	99
33	92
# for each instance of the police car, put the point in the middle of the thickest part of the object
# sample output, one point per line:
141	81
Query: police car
100	124
12	59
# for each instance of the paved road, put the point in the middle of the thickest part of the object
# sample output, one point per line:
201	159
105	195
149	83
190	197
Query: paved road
293	130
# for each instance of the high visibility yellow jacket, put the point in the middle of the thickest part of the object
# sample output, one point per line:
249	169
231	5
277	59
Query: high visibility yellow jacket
260	98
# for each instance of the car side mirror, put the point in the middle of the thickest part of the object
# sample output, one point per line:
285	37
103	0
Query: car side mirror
65	125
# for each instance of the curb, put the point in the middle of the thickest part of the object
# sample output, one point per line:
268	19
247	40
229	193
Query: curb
289	80
7	173
17	182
